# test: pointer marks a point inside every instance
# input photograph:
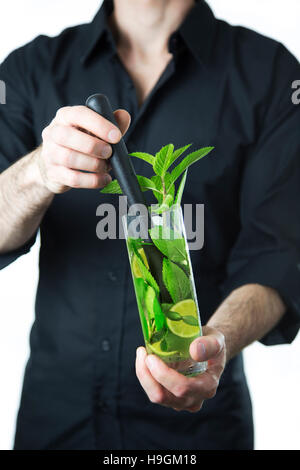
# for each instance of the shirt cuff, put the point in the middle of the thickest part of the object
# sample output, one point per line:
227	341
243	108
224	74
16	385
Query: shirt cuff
281	271
8	258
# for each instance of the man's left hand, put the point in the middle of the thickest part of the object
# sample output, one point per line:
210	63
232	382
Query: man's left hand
167	387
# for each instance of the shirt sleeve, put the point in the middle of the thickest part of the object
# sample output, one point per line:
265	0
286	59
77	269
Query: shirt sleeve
16	123
267	250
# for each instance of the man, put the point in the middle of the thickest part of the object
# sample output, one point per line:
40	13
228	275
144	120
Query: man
182	76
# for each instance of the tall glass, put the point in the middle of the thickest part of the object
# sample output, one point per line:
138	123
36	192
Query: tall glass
164	287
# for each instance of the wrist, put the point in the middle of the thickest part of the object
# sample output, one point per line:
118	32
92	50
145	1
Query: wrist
33	175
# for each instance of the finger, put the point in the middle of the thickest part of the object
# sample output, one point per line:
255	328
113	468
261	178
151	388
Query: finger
78	161
208	346
152	388
190	391
123	119
156	393
82	116
77	179
75	139
195	408
191	401
180	386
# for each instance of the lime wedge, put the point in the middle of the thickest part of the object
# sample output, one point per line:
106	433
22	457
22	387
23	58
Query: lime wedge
180	328
156	349
135	266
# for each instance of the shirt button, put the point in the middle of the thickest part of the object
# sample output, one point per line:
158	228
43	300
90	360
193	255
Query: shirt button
105	345
112	276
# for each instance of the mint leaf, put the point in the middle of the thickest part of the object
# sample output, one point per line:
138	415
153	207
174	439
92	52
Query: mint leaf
147	276
140	287
185	266
180	189
153	307
158	183
157	336
147	157
161	160
190	320
158	314
135	244
174	316
146	184
176	154
149	297
188	161
168	184
112	188
165	240
176	281
165	307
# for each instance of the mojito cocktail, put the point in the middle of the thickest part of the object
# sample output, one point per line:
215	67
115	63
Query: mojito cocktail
165	290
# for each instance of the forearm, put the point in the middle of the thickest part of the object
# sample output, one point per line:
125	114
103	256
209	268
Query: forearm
74	154
246	315
23	201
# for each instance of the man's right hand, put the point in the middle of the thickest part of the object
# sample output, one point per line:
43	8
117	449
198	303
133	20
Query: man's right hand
76	149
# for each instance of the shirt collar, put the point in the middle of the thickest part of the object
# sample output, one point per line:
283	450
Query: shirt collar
197	31
96	31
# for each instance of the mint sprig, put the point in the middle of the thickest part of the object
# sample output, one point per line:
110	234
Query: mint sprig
162	183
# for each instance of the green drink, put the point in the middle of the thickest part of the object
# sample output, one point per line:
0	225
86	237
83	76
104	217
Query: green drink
159	257
165	291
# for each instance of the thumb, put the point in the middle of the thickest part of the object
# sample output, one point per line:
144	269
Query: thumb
208	346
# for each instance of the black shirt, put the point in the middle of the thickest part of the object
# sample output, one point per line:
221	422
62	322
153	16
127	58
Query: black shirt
226	86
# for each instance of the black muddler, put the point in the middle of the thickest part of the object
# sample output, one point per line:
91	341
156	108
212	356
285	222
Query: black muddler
120	162
126	176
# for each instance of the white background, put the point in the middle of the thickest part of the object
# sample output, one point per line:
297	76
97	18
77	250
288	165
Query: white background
273	372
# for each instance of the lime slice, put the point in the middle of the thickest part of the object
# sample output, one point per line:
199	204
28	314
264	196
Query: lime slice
180	328
135	266
156	349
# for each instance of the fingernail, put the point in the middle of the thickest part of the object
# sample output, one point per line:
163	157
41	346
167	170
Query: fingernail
138	352
150	361
106	151
201	351
114	135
